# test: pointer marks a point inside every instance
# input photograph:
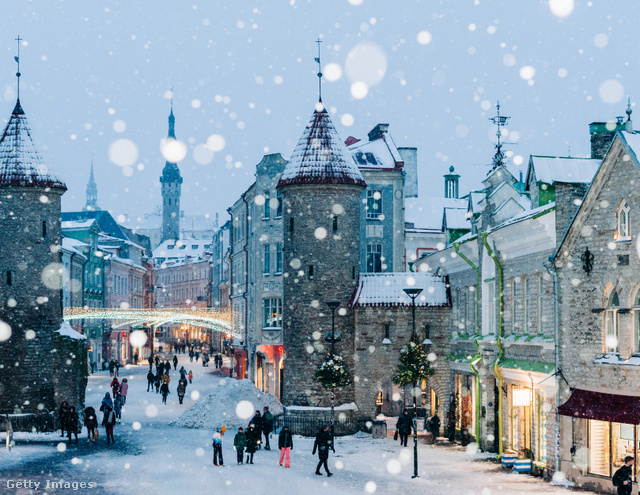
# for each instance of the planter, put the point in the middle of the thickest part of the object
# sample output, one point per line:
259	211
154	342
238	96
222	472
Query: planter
522	465
507	459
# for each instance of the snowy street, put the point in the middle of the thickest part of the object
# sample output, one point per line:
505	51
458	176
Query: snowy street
151	456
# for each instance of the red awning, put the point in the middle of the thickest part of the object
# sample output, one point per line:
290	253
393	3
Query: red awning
602	407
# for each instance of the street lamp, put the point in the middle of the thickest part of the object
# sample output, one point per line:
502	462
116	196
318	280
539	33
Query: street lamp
333	305
413	293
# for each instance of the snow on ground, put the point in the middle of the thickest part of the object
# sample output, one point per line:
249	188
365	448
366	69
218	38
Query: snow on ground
151	456
232	404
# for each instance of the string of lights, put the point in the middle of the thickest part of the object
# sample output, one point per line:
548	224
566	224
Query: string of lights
221	321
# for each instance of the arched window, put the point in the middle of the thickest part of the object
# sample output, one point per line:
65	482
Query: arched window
623	230
611	322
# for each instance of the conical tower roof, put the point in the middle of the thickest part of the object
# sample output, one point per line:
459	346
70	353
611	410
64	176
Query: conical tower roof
171	172
20	160
320	157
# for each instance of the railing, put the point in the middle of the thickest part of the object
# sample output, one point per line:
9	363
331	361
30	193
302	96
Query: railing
310	426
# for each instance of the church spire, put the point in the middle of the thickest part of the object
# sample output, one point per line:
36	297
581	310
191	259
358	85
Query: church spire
172	120
92	192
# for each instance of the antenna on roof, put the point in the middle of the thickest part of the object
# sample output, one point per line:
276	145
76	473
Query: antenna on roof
317	59
500	121
17	59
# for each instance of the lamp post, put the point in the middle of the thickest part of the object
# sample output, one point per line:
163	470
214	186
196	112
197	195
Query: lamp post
333	305
413	293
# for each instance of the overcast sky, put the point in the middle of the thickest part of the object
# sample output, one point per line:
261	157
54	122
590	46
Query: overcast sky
94	72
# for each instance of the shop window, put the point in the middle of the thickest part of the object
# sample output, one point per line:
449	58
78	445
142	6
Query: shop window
611	322
609	444
541	447
521	418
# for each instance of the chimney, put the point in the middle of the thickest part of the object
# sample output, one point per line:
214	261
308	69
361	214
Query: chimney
378	131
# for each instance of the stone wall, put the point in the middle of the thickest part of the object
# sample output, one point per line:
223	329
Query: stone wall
69	359
320	265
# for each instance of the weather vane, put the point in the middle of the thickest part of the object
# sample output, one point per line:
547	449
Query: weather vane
17	59
317	59
500	121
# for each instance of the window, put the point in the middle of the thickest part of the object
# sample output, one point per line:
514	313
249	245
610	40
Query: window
44	228
266	212
278	258
374	204
473	308
374	258
514	305
539	294
272	313
623	232
490	302
279	207
291	225
611	323
335	224
387	331
608	445
266	267
9	278
310	272
525	304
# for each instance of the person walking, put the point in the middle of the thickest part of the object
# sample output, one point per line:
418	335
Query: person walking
434	427
62	416
257	422
217	448
135	358
157	380
322	445
72	423
111	367
109	422
252	442
150	379
285	444
117	407
267	426
150	361
239	444
190	376
191	355
115	386
403	428
106	402
182	389
175	362
91	422
164	390
623	477
124	388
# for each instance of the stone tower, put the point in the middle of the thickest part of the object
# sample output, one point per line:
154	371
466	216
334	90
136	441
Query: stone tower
171	185
92	193
30	276
321	187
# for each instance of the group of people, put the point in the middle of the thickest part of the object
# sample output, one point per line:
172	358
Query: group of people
404	427
161	379
114	367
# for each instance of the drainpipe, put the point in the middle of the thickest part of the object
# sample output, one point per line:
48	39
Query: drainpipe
478	356
556	333
496	366
249	359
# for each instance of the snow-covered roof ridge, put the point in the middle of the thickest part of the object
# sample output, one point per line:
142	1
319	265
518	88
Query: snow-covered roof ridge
386	289
21	164
550	169
320	157
67	331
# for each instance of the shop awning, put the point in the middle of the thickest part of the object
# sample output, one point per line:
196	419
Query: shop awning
602	407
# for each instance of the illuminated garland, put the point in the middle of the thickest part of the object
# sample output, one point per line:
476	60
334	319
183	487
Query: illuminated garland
221	321
413	366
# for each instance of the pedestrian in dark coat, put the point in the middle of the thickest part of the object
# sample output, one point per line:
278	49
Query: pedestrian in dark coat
239	444
267	426
323	444
72	423
403	428
111	367
252	442
150	361
182	389
164	390
217	448
258	423
434	426
175	362
157	380
285	444
118	402
150	379
62	416
167	367
91	422
109	422
623	477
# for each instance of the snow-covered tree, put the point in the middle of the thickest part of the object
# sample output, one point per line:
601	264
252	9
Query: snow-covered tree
332	372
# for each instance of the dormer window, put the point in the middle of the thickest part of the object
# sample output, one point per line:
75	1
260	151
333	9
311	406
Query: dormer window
623	232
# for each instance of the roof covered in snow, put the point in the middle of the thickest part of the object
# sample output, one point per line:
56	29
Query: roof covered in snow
74	245
550	169
633	140
455	218
381	152
180	249
386	289
66	331
20	160
320	157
